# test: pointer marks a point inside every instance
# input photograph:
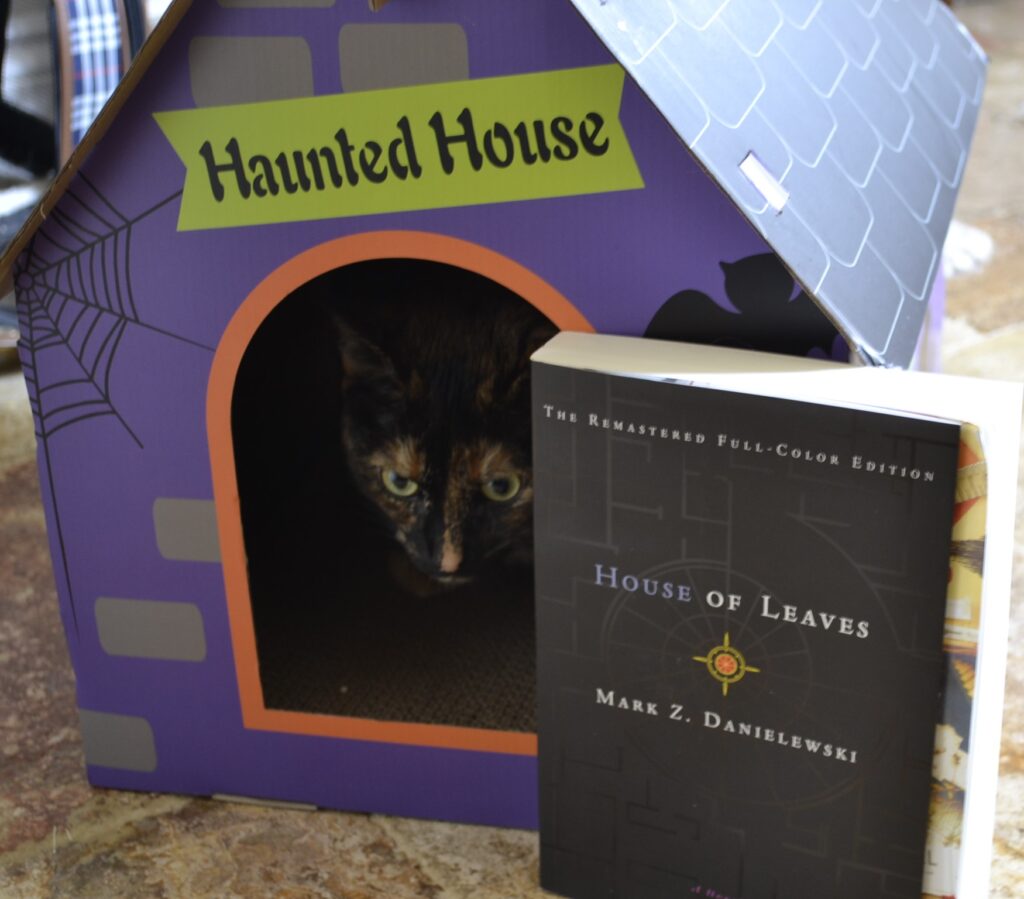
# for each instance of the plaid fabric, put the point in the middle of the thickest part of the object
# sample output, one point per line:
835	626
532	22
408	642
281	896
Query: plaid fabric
95	42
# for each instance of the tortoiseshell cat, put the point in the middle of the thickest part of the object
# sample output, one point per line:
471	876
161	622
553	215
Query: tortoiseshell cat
435	418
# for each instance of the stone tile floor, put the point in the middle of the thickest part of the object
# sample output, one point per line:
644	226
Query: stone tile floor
61	838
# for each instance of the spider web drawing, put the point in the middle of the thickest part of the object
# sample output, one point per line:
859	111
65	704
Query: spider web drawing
75	305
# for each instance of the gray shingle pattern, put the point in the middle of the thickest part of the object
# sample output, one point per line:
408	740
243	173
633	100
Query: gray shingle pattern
862	110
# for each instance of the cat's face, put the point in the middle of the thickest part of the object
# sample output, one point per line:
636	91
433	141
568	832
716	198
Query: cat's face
436	432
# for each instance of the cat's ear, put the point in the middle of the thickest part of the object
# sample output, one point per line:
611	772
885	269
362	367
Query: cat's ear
531	340
367	373
360	358
537	336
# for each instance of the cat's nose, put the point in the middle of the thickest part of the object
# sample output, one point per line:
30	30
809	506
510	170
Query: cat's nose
451	555
443	545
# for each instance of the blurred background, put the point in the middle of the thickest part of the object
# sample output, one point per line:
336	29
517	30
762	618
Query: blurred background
38	36
28	84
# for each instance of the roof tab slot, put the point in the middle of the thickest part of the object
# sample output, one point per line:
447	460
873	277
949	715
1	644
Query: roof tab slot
766	184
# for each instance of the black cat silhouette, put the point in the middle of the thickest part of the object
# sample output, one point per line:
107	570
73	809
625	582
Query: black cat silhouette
770	318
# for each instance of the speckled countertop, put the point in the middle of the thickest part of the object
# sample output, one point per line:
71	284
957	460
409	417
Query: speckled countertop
61	838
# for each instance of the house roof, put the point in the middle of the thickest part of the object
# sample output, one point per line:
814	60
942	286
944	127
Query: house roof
839	130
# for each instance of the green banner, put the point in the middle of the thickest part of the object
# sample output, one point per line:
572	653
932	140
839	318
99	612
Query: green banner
492	140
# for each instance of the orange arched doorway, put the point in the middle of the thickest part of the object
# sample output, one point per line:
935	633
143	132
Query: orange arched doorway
280	284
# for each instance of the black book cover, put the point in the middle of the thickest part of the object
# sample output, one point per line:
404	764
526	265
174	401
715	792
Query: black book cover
740	607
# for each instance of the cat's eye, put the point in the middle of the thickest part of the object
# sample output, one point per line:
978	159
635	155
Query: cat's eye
502	488
398	484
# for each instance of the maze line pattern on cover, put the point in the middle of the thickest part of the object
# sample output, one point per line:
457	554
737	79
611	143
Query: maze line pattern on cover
740	618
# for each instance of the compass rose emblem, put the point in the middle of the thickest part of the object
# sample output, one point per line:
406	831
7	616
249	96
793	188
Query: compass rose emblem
726	665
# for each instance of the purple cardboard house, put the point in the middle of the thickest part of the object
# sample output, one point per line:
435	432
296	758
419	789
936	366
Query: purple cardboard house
777	174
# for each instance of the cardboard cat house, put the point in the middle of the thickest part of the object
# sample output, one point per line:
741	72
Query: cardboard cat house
623	167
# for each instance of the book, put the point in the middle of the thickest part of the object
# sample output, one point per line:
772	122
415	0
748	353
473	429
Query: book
748	632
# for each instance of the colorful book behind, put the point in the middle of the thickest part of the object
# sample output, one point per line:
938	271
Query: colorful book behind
963	625
741	610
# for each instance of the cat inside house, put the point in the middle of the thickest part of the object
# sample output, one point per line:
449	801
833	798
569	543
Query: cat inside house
435	421
382	441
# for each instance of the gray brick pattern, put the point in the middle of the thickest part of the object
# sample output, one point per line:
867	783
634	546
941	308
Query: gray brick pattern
124	742
385	55
862	110
151	629
186	529
230	70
